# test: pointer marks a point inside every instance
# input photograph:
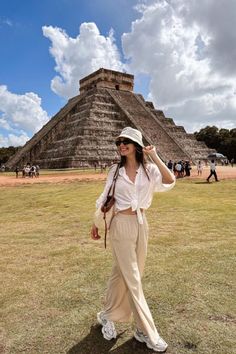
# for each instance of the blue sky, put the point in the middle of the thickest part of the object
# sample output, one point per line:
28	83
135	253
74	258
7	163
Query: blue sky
25	61
158	42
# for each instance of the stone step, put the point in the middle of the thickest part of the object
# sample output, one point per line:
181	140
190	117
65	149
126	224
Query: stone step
176	129
167	122
104	106
78	115
83	107
170	121
118	123
150	105
106	120
101	131
98	98
76	120
158	113
103	114
201	144
191	136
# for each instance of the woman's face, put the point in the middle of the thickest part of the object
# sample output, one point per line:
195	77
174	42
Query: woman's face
125	147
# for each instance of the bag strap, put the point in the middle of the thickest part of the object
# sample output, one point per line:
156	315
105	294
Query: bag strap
113	192
114	181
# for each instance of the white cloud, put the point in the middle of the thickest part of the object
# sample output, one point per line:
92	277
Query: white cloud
20	115
78	57
13	140
6	21
188	48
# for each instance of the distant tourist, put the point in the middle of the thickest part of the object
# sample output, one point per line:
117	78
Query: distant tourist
182	168
212	171
170	165
187	168
17	171
178	168
37	170
27	171
23	171
174	168
199	168
32	171
103	167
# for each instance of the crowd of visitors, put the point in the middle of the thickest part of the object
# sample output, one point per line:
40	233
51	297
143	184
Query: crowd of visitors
28	171
180	169
183	168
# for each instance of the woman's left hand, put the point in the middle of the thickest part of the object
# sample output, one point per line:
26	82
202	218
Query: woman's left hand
94	233
149	150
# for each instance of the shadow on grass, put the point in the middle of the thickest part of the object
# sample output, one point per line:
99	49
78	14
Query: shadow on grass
94	343
203	182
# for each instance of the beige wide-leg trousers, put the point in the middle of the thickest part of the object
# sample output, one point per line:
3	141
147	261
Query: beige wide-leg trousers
124	295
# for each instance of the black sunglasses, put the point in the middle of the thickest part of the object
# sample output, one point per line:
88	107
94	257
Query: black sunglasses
124	141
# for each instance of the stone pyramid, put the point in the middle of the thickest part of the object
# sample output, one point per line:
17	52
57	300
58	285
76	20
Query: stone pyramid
82	133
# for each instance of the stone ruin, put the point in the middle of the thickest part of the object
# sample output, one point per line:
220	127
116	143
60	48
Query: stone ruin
83	132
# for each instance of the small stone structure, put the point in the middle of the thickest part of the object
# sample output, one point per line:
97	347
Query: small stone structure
104	78
83	132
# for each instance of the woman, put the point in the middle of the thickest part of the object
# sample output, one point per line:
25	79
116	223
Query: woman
136	182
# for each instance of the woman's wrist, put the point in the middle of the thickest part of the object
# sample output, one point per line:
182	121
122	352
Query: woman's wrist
167	175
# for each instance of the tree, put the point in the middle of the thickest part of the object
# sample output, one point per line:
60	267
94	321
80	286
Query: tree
222	140
7	152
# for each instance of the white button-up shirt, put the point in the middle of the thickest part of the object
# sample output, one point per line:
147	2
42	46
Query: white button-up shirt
135	195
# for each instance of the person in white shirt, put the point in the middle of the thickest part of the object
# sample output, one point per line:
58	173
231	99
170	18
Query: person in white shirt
212	171
136	182
199	168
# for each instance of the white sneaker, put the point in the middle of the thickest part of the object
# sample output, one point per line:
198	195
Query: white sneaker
108	327
160	346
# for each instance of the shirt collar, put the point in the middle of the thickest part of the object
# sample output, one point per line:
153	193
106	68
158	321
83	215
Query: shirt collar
122	172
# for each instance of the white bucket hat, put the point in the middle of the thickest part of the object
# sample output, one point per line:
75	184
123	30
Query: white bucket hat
132	134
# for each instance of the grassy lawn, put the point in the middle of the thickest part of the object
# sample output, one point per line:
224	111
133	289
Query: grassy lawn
53	276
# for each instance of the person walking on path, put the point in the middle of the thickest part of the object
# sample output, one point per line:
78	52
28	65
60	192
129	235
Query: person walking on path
212	171
136	182
199	168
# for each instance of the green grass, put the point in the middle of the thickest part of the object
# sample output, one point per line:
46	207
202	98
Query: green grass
53	275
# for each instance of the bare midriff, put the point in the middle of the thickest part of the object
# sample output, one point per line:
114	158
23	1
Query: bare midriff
128	211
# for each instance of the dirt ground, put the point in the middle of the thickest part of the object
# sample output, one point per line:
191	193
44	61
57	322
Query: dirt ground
223	172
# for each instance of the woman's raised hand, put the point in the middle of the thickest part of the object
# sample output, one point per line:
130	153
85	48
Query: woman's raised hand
94	233
149	150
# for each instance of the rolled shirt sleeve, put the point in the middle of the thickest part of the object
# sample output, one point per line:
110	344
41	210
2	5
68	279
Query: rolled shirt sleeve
156	179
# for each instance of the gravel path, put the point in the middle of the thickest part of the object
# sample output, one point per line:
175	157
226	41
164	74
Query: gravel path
223	172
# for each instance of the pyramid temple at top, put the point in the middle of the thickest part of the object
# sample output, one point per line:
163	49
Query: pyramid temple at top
83	132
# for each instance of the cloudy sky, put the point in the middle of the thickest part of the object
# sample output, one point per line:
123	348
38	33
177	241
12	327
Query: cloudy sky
182	53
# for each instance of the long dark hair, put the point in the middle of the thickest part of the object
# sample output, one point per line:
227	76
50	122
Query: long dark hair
139	156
